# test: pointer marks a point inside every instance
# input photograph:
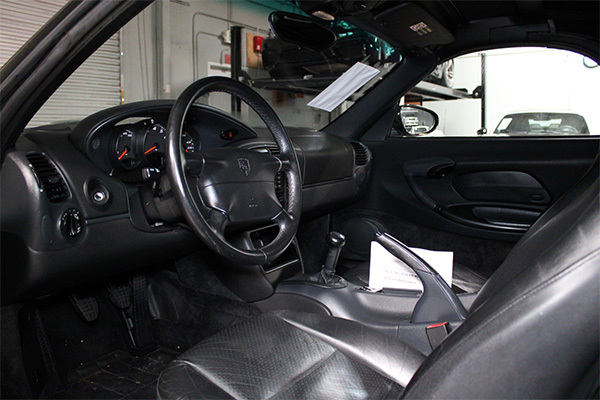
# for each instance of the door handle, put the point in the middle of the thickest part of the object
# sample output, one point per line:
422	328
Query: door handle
433	168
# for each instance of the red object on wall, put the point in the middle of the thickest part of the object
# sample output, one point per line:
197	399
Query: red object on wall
257	43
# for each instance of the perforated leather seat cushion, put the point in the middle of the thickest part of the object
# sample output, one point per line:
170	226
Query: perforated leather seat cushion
285	356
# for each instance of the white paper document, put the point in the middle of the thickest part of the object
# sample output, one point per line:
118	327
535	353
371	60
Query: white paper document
387	271
343	87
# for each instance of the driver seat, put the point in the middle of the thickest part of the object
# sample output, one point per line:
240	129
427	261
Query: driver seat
532	332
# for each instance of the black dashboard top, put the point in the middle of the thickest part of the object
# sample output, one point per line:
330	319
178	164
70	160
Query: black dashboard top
77	198
130	138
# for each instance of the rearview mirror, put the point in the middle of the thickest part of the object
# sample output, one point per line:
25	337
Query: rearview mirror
300	30
415	120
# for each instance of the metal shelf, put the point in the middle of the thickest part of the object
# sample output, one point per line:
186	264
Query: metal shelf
309	85
430	91
423	91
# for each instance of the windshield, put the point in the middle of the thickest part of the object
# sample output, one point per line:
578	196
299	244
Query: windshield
172	44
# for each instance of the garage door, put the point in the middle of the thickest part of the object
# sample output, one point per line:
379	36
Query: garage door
95	85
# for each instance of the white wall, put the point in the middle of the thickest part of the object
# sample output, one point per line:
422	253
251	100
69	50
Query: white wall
521	80
201	22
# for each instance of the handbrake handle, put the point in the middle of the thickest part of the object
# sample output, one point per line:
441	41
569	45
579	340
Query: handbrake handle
438	302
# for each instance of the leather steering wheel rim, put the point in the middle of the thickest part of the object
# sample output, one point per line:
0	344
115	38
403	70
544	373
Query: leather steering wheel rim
195	214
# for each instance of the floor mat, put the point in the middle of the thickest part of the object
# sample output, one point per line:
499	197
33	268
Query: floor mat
119	375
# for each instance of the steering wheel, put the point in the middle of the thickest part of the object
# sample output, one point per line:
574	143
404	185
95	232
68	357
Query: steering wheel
230	186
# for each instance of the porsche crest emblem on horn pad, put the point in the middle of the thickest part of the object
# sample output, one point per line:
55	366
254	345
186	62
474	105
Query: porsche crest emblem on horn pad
244	165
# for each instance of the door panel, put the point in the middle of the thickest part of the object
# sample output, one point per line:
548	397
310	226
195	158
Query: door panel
474	196
491	188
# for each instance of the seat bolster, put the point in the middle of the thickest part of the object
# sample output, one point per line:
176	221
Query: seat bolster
385	354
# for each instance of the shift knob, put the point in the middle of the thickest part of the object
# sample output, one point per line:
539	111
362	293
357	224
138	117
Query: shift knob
335	239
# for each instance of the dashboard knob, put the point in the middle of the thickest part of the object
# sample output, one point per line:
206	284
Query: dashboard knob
71	224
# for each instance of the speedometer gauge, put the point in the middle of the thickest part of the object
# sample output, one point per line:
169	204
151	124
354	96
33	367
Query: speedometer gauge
154	145
124	149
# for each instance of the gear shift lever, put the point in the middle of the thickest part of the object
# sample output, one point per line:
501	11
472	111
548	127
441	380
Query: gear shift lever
335	241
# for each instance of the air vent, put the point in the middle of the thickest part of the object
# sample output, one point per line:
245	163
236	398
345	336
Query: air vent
48	177
274	151
361	153
280	187
279	179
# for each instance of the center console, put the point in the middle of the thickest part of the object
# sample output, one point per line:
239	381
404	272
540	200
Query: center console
402	313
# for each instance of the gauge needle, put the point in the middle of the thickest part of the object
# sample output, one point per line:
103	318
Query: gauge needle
123	154
150	149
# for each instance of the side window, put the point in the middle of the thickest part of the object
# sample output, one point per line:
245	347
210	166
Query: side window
510	92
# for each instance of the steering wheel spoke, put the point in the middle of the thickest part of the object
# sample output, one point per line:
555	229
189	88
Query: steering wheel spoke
193	164
283	220
218	221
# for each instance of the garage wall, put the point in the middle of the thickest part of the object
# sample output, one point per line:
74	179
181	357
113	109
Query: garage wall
190	25
95	85
189	34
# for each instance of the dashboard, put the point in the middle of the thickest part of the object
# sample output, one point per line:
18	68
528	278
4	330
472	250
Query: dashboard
130	141
86	200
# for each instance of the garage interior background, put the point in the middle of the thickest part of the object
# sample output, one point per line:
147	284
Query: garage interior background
174	42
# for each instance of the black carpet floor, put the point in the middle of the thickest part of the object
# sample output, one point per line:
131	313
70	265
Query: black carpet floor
92	360
118	375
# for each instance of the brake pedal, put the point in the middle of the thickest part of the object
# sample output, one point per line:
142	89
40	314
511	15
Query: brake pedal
87	307
119	293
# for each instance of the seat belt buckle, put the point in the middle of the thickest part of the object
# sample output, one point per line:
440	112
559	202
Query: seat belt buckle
436	333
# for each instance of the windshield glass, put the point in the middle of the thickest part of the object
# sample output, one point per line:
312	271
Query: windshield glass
172	44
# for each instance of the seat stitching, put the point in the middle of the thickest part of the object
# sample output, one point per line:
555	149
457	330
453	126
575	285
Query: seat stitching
306	372
534	290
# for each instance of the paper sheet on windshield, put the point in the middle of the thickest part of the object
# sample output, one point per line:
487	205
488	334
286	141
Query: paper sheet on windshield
387	271
343	87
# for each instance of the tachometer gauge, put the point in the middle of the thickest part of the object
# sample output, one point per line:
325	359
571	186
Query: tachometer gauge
155	144
124	149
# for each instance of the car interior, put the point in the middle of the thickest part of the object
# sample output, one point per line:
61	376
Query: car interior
169	248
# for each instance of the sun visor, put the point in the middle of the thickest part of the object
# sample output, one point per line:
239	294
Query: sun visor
412	26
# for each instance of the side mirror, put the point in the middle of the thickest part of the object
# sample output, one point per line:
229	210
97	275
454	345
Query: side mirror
301	30
481	131
415	120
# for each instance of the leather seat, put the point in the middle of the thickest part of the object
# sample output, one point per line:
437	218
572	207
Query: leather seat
532	332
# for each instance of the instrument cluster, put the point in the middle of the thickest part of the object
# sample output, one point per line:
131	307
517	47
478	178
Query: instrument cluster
144	143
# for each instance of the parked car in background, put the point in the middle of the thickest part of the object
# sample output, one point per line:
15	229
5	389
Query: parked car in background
542	123
443	74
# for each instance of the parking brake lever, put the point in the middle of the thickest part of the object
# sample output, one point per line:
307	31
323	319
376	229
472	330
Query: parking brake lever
438	302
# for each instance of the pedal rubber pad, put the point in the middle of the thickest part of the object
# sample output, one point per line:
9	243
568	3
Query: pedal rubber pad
87	307
119	294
